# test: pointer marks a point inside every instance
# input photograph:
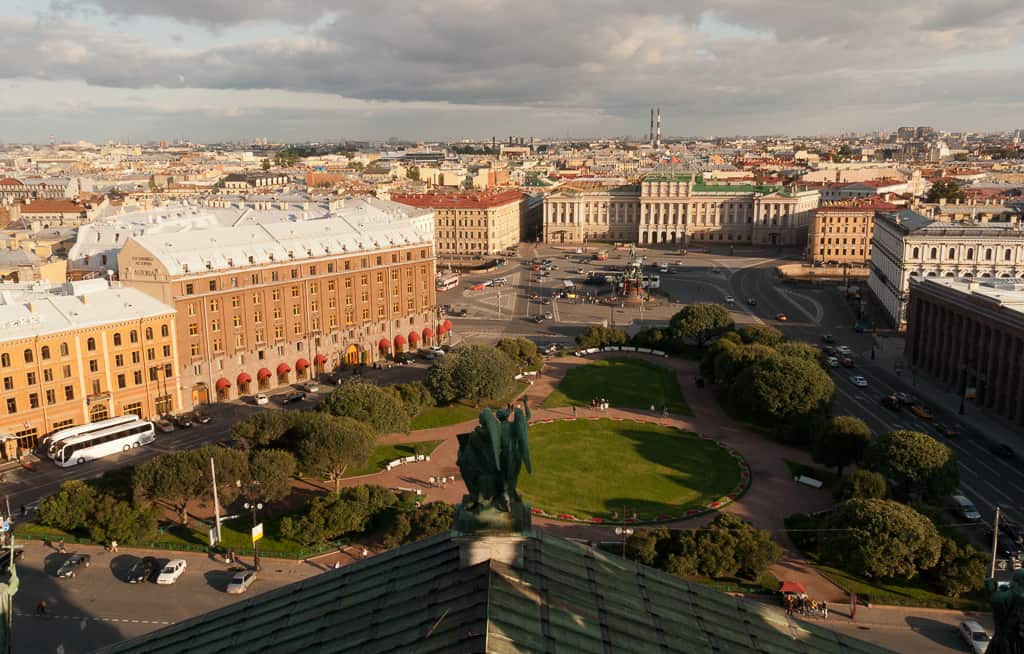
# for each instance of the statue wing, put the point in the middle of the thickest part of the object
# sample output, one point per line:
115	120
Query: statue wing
493	427
522	427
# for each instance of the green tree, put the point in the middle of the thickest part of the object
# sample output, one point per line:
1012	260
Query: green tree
880	539
263	429
368	403
783	388
799	350
843	442
350	510
69	508
429	520
761	334
701	322
961	569
860	484
415	396
727	341
522	351
176	479
440	380
598	336
332	447
642	546
115	519
946	189
473	373
413	173
654	338
734	359
273	471
265	165
916	464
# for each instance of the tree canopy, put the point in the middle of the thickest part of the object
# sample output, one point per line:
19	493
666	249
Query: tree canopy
880	539
916	464
783	387
369	403
842	443
598	336
331	447
946	189
860	484
522	351
701	322
473	373
762	334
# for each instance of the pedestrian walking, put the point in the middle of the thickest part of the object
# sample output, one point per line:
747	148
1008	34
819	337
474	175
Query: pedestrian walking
60	546
574	411
113	546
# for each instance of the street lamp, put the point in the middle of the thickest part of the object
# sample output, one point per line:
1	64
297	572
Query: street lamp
625	532
255	506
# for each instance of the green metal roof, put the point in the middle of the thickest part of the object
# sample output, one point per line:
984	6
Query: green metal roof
566	597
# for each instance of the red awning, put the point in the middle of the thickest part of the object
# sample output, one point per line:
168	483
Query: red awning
244	378
301	364
428	332
283	369
222	383
385	344
263	373
414	337
446	326
320	358
399	340
791	587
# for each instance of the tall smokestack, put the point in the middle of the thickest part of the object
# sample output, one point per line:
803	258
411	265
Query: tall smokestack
657	138
650	134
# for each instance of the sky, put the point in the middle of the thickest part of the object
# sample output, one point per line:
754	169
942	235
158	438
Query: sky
296	70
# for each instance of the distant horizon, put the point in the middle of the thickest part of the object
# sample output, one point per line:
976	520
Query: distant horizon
299	70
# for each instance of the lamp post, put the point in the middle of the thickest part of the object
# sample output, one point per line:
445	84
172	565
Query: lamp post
625	532
255	506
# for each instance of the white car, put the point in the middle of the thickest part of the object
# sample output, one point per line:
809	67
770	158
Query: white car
170	572
312	387
549	316
730	299
261	399
843	350
966	508
241	581
832	362
859	381
975	636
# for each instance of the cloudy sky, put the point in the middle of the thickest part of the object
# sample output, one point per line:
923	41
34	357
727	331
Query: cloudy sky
328	69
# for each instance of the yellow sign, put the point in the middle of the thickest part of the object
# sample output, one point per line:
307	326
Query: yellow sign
257	533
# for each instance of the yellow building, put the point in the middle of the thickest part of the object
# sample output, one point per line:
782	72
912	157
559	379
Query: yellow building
476	223
841	233
81	352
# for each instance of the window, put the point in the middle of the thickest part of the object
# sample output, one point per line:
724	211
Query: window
257	317
916	253
194	349
168	370
28	356
214	305
44	352
94	365
150	353
189	289
48	374
61	424
1007	255
137	376
63	349
934	253
8	383
190	310
5	360
133	336
214	325
65	371
165	331
295	310
330	285
952	253
193	329
149	333
213	284
275	294
970	254
256	298
167	350
118	360
51	396
33	400
31	378
295	291
12	405
135	357
97	388
988	254
69	393
236	301
121	380
117	338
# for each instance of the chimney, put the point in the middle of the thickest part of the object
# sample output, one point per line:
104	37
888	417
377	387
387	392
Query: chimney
651	133
32	308
657	139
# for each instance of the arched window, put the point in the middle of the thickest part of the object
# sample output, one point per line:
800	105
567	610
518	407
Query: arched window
952	253
165	331
988	254
970	254
28	356
149	333
90	344
133	336
44	352
916	254
63	349
5	360
117	338
934	253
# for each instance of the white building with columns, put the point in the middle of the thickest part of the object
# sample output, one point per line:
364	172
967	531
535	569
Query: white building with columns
678	209
907	245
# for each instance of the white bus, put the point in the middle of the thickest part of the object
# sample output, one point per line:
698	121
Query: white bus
94	445
447	282
652	281
50	441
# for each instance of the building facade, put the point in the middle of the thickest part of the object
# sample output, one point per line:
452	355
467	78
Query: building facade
969	336
906	244
841	233
677	210
82	352
471	224
272	300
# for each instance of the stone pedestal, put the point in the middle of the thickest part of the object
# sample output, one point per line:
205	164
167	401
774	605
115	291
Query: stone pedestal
489	520
491	534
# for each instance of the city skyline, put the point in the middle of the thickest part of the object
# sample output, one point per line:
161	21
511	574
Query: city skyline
290	71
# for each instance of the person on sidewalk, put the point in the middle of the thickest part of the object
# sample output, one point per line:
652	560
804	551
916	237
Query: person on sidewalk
60	546
113	546
574	411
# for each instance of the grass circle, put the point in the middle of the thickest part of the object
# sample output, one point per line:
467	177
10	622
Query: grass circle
608	470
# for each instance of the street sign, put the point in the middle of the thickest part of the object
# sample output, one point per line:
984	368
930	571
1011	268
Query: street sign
213	536
257	533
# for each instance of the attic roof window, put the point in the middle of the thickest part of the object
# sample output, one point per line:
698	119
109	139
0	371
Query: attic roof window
209	265
184	267
252	259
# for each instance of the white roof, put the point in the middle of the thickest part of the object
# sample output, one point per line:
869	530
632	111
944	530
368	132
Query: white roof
198	238
38	309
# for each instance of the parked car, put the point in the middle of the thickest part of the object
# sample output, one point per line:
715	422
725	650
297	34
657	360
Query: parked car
462	313
549	316
828	338
832	362
163	425
71	565
843	350
975	636
312	387
905	398
184	421
294	396
580	271
890	402
859	381
966	508
241	581
1003	450
730	299
260	398
538	319
200	417
829	350
946	430
847	362
922	412
142	570
434	352
170	573
752	301
781	317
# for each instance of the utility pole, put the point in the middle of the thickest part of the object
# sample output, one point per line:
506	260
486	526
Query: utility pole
995	540
216	501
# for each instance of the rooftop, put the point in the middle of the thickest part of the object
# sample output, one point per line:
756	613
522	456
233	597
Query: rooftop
563	596
51	206
992	292
481	200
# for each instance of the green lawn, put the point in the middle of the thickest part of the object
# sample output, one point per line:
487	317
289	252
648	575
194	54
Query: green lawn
384	453
625	383
442	416
899	592
590	468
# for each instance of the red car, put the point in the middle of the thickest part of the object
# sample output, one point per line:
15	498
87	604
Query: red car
846	362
